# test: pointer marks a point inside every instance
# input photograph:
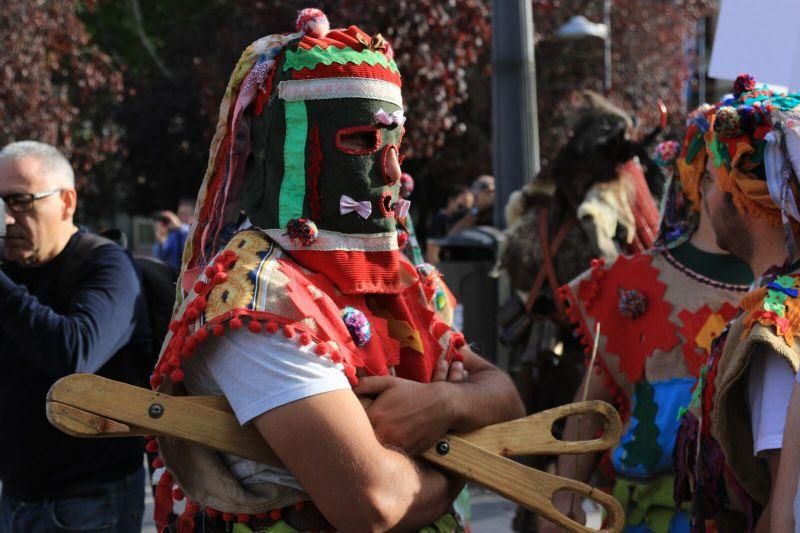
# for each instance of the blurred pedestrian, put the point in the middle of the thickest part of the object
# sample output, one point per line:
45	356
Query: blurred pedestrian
69	302
460	201
186	213
170	239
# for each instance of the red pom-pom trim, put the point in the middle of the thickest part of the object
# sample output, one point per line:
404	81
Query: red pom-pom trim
235	323
228	516
176	376
272	327
275	514
254	326
213	513
299	506
305	339
177	494
242	518
218	330
155	380
151	446
158	462
201	334
288	331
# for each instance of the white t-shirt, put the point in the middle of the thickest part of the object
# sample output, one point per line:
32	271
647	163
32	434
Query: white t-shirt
257	373
770	383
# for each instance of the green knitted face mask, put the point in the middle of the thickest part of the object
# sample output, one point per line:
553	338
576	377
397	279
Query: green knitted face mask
331	161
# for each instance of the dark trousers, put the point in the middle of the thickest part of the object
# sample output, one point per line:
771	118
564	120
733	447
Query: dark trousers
111	507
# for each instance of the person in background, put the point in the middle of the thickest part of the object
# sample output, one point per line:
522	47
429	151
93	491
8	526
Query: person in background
657	312
460	201
170	239
186	213
482	211
65	307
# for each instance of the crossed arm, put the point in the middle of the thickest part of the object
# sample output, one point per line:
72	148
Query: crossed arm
354	473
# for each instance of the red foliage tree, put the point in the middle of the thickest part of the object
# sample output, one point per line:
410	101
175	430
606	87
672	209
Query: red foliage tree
650	40
55	85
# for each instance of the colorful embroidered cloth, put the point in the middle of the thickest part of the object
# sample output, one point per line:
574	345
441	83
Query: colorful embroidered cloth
657	319
714	458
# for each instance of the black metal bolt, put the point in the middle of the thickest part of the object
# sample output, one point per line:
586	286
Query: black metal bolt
155	410
442	447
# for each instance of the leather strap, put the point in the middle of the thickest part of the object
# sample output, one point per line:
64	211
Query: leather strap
549	251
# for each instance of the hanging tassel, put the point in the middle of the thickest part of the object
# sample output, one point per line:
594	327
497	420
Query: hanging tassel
163	501
185	522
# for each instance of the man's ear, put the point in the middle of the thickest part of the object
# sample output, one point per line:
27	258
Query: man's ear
70	199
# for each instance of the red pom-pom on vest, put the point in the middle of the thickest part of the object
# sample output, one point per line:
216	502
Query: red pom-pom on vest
218	330
176	376
276	514
151	446
235	323
254	326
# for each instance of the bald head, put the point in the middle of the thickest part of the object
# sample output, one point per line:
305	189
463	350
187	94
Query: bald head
53	168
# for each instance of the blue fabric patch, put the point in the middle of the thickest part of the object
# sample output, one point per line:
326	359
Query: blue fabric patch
669	396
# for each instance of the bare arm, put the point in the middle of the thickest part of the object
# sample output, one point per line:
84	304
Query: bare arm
773	457
415	415
327	443
785	486
464	223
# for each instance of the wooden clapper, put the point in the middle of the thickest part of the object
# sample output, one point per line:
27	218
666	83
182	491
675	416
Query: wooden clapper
86	405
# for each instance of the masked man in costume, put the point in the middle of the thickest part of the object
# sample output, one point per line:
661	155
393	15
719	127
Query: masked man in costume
296	298
730	441
657	311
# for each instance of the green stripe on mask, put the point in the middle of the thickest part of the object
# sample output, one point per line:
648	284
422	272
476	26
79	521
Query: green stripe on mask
317	56
293	186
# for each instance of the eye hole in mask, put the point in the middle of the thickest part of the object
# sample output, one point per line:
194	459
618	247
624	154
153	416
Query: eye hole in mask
359	140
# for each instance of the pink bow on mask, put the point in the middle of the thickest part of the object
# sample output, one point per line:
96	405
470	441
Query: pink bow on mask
387	119
348	205
401	208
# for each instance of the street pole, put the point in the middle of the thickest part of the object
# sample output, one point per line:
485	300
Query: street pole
515	128
607	47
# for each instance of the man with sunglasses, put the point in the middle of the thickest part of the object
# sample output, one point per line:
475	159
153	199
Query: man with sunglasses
69	302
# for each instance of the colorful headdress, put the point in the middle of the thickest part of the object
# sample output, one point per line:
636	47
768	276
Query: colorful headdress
306	148
754	141
681	202
691	162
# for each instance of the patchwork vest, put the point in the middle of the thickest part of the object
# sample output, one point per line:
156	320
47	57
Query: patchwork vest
714	457
657	319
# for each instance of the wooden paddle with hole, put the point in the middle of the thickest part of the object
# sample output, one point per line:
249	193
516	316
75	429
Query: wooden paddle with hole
85	405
